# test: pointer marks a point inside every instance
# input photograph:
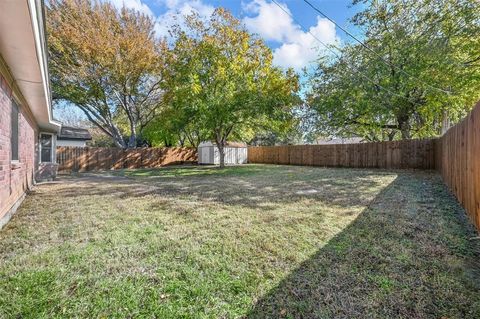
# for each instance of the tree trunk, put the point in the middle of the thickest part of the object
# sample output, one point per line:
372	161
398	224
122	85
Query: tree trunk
120	144
404	125
221	140
391	135
117	137
405	130
132	141
445	123
181	139
221	153
108	128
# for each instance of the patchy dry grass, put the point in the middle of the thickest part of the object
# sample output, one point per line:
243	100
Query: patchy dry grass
252	241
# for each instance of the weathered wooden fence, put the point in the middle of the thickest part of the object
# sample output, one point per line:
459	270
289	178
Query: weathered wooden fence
106	158
457	157
397	154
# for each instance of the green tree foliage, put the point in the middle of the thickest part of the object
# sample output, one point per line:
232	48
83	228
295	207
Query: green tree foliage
287	131
174	126
108	63
221	80
430	72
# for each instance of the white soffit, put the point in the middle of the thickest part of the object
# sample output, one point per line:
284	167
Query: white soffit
22	47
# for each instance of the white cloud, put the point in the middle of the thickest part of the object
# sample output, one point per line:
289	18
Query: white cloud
176	10
133	4
270	21
303	49
297	47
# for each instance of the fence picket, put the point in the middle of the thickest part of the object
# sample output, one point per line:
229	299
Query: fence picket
397	154
72	159
457	158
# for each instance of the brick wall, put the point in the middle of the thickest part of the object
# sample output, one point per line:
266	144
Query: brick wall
15	178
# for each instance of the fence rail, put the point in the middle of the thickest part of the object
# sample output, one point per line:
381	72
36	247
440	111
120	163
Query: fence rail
457	157
397	154
106	158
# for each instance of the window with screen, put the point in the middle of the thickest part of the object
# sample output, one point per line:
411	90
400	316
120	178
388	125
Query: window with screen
46	144
14	135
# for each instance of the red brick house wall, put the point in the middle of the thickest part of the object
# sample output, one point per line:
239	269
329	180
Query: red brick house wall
15	177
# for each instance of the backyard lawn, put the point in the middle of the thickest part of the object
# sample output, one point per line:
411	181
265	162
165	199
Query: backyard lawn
255	241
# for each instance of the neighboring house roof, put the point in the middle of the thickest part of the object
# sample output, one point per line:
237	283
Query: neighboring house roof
346	140
74	133
23	49
228	144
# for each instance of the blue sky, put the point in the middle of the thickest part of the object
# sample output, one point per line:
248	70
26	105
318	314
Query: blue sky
291	44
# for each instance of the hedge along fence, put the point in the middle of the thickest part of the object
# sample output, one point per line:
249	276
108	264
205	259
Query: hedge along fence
74	159
397	154
457	157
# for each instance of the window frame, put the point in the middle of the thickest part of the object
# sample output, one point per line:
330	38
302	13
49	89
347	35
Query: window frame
15	106
52	149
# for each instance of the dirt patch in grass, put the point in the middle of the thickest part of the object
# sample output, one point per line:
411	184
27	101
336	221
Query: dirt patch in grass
250	241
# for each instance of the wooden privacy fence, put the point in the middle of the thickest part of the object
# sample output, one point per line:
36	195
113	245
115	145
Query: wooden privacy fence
457	157
106	158
396	154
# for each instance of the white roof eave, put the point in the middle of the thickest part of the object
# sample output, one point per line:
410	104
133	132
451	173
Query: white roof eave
23	48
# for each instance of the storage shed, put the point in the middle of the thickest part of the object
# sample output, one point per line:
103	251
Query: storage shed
235	153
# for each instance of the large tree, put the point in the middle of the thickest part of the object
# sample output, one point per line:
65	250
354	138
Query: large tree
174	126
108	63
223	79
420	67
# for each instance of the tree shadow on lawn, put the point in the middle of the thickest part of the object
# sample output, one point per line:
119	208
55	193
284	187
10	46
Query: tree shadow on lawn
255	188
410	254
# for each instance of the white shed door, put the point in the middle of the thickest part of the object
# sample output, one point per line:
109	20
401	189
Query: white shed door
204	155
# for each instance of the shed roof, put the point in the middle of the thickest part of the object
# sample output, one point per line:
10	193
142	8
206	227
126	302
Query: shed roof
228	144
74	133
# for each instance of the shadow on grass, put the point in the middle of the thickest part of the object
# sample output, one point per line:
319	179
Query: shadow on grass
177	170
262	187
407	255
410	254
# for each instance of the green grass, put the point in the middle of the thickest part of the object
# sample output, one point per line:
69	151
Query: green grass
255	241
